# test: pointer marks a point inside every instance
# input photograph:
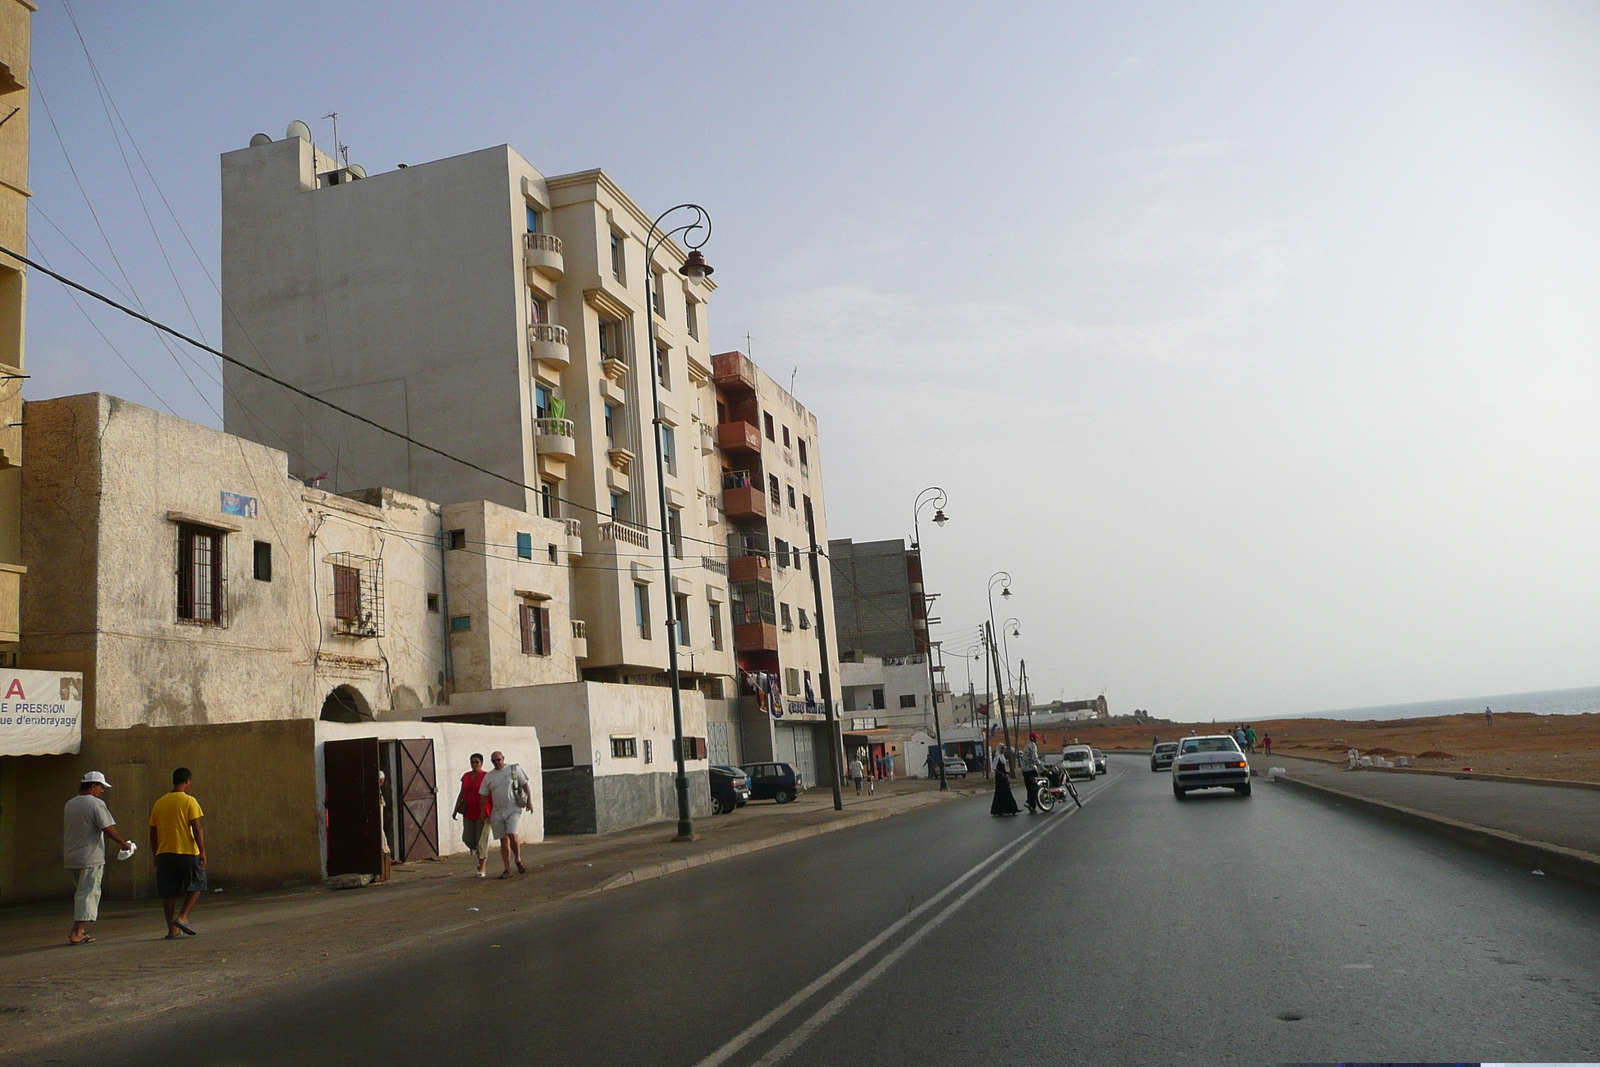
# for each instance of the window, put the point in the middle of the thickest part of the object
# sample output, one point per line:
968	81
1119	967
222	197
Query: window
201	587
433	603
547	499
675	530
766	418
616	505
663	366
613	340
691	317
624	748
775	491
877	700
786	437
555	757
669	449
616	255
641	609
809	696
538	309
550	552
780	552
658	298
524	546
346	593
803	461
681	607
716	626
263	561
541	402
805	620
460	623
611	426
791	498
796	557
535	629
533	219
908	700
807	509
649	751
783	614
456	539
791	681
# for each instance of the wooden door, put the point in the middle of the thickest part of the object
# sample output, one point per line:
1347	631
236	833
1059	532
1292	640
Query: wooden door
350	769
419	800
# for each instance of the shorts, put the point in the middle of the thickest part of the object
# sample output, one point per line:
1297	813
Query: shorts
178	873
504	823
475	835
86	897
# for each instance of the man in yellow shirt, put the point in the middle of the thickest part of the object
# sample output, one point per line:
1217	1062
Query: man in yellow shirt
179	848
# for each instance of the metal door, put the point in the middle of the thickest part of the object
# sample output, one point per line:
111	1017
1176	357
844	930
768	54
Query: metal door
350	775
719	743
418	811
805	755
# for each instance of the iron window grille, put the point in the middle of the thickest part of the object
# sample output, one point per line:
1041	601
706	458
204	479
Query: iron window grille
624	748
357	595
202	575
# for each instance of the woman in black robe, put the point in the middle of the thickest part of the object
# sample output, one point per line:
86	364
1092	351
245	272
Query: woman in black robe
1004	802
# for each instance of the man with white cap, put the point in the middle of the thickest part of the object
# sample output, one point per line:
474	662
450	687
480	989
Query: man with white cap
86	824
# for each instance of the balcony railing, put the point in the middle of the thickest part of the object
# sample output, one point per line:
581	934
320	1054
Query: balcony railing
738	436
574	527
553	427
549	343
580	630
714	565
543	252
733	370
618	530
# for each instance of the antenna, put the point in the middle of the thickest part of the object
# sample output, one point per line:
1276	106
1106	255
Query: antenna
792	377
339	150
749	349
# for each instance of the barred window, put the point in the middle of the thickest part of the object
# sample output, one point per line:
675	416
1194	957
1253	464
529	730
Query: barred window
202	586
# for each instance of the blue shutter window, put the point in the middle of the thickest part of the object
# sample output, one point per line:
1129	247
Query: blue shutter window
533	220
541	402
524	546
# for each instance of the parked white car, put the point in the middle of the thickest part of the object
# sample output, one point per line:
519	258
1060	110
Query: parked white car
1210	763
1078	760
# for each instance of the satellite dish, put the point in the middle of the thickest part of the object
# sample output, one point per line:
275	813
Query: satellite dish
260	139
357	171
298	129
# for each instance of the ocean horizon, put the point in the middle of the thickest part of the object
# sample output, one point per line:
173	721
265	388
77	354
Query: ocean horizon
1546	702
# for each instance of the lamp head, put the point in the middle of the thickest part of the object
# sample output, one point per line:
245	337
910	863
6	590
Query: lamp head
1016	631
695	267
1006	592
940	518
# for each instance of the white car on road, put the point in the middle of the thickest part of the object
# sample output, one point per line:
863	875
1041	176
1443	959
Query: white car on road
1210	763
1078	761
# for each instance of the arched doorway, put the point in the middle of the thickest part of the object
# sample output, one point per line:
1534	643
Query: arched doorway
346	704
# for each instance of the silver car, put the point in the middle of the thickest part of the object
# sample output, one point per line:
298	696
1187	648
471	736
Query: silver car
1078	760
1099	761
1210	763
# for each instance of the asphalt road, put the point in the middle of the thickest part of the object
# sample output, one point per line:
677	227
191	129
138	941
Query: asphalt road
1138	930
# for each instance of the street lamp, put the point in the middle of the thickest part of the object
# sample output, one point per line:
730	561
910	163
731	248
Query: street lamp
1003	580
695	268
938	499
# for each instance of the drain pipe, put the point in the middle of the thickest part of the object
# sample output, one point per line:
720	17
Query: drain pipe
444	611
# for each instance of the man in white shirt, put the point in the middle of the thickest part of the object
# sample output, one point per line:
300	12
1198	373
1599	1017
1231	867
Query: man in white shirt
507	788
85	825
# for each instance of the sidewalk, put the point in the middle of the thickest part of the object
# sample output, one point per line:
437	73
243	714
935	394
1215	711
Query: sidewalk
1549	827
249	941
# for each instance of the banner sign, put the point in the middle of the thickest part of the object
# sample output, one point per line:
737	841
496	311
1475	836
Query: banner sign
239	504
41	713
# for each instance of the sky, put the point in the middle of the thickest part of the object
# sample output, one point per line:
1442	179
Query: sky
1256	342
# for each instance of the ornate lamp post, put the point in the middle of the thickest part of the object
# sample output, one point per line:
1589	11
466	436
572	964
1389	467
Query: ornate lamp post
1003	580
697	231
938	499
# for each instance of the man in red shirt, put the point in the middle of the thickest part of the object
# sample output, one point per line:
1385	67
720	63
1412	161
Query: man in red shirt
475	810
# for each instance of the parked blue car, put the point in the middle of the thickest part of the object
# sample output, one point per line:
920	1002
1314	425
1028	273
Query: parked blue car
773	781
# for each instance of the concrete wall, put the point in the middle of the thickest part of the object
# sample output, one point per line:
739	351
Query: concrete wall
873	591
256	782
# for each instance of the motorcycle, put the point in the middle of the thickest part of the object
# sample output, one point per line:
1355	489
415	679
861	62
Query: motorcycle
1056	787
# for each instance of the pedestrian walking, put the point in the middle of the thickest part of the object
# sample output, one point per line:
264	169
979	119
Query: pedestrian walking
1004	803
857	772
888	766
1488	716
1238	736
1030	765
1250	739
509	796
473	807
85	825
1266	743
179	846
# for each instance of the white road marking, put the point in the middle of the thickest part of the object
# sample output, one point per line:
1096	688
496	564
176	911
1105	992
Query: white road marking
801	1033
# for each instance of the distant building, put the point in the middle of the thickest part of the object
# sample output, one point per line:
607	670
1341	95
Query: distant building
877	590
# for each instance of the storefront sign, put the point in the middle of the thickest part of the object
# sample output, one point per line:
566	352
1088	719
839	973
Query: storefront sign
41	713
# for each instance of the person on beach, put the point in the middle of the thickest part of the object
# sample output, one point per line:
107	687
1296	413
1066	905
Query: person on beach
857	771
178	846
85	825
1004	803
473	807
1488	716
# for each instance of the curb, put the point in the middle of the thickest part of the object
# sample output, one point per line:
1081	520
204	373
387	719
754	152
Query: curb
727	852
1484	776
1570	863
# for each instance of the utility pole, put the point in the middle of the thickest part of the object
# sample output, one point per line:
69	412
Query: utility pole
835	738
1027	704
1000	688
972	709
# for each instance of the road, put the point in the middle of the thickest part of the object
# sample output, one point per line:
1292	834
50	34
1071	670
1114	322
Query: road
1138	930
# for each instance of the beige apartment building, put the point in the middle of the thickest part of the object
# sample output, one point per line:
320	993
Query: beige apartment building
502	316
16	17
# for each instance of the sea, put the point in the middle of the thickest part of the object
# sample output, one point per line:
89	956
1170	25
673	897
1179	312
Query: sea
1548	702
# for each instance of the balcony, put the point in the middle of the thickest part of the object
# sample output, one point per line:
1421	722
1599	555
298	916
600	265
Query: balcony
555	437
542	252
714	565
708	438
755	637
733	372
574	538
749	569
580	639
744	504
548	344
627	532
738	437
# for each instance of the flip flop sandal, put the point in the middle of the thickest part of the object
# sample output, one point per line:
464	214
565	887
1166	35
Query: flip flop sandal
186	928
505	874
85	940
520	868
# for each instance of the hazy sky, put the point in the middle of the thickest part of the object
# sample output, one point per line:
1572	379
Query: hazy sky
1258	342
